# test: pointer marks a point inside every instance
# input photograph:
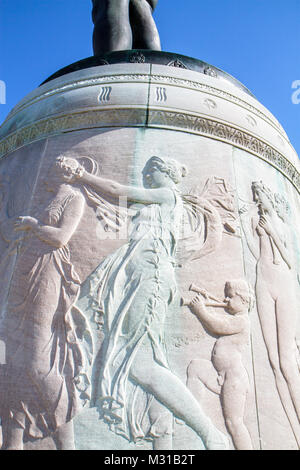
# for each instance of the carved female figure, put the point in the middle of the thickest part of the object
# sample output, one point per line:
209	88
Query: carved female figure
268	240
134	288
47	343
124	24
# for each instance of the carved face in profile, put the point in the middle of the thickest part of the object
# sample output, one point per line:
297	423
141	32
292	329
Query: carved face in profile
158	172
235	302
262	199
62	168
153	177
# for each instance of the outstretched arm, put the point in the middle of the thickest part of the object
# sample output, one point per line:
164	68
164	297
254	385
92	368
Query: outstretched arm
114	189
55	236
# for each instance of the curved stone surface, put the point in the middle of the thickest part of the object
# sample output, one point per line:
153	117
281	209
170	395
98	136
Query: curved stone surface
148	319
153	96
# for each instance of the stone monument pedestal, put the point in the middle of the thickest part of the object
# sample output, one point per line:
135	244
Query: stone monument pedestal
113	114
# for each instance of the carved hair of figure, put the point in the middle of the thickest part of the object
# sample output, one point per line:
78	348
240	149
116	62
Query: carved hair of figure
282	207
171	167
243	290
260	186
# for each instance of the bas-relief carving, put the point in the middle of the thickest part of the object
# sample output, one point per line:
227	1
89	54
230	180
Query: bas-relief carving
133	289
225	374
45	303
266	227
211	72
105	94
177	63
48	342
161	94
11	206
116	300
46	376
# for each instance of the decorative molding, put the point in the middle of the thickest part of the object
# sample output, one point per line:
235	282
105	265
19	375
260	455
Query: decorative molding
104	96
251	120
210	71
177	63
220	93
210	104
55	125
161	94
152	79
137	58
226	133
137	117
84	83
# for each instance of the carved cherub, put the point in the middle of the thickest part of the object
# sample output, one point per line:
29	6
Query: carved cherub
226	374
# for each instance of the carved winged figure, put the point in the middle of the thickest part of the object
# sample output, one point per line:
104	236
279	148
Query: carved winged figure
225	374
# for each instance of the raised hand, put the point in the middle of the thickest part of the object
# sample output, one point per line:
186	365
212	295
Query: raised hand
265	224
25	223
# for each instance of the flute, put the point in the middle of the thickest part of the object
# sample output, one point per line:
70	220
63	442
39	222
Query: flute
203	292
185	302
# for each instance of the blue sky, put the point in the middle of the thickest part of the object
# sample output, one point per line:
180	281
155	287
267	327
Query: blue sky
257	41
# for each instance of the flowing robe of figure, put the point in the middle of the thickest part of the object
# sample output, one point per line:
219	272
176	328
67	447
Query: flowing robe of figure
48	344
135	288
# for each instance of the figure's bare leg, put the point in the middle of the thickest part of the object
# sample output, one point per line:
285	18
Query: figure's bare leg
233	396
266	312
13	436
201	373
64	437
286	315
172	393
112	31
162	426
145	33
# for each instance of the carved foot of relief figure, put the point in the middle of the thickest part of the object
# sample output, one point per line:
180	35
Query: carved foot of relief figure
225	374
